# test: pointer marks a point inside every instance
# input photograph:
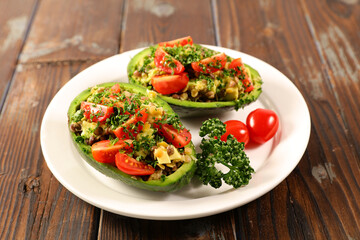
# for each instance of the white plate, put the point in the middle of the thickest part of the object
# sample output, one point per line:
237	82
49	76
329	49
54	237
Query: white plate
272	161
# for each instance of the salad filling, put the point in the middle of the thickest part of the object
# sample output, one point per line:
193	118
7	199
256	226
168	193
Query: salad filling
188	71
129	131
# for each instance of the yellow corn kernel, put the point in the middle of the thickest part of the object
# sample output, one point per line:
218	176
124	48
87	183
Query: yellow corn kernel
152	94
188	151
164	144
161	166
158	153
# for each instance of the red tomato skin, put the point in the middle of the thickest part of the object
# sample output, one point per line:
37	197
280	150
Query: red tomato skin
262	125
162	60
239	67
168	84
115	88
125	131
238	129
204	65
177	42
96	112
104	151
178	138
131	166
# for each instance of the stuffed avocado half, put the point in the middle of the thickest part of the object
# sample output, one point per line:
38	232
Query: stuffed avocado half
128	133
194	79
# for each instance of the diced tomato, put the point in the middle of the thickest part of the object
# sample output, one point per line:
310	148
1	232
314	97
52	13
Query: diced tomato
178	138
104	151
115	88
96	112
210	64
167	84
177	42
131	166
239	67
167	63
132	126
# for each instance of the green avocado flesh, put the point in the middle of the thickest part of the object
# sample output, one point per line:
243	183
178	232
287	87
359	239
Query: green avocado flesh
172	182
186	108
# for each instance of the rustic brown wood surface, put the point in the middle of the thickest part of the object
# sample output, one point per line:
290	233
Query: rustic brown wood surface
316	44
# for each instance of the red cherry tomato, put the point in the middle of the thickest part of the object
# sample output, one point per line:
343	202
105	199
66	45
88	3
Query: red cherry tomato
238	129
167	63
178	138
96	112
177	42
104	151
132	126
167	84
262	125
131	166
210	64
239	67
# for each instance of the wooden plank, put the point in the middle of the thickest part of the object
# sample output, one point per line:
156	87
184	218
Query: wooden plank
295	37
33	204
214	227
74	30
15	18
149	22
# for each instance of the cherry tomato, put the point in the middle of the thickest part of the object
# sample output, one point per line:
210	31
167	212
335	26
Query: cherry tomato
104	151
96	112
210	64
132	126
238	129
239	67
177	42
167	63
167	84
178	138
131	166
262	125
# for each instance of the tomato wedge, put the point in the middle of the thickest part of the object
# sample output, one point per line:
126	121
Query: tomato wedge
167	63
239	67
177	42
96	112
167	84
130	166
132	126
210	64
238	129
104	151
178	138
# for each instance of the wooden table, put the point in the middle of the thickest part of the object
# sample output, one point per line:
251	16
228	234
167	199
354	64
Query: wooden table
44	43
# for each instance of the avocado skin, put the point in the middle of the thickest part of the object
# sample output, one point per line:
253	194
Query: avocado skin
171	183
185	108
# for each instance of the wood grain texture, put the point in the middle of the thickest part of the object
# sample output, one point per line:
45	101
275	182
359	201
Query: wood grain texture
148	22
324	188
74	30
14	24
215	227
33	204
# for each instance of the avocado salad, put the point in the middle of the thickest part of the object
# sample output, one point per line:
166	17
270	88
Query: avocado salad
194	77
128	133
